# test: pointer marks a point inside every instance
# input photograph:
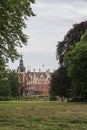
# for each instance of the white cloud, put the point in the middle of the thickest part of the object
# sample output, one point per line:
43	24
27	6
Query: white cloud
52	21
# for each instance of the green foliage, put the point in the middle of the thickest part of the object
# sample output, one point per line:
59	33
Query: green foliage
13	82
36	97
12	15
4	84
4	98
76	61
52	97
2	69
70	39
5	90
60	83
72	54
9	85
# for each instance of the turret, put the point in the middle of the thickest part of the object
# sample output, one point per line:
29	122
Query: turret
21	67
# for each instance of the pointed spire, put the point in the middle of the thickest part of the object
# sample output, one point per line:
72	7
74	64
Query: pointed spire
21	65
21	61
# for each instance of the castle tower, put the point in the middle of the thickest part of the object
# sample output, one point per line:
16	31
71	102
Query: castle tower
22	77
21	71
21	67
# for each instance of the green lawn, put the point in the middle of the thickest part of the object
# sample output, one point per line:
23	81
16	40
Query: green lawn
43	115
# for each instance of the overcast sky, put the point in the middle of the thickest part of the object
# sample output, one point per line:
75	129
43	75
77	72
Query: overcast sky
53	20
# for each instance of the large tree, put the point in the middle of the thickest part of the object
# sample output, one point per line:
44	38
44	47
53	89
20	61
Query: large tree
9	85
70	39
14	84
2	69
12	21
76	61
13	14
5	90
60	83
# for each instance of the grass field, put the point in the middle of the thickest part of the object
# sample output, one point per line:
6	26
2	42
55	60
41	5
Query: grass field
43	115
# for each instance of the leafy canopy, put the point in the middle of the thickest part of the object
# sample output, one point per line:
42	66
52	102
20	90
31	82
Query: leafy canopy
60	83
9	85
76	60
71	38
12	21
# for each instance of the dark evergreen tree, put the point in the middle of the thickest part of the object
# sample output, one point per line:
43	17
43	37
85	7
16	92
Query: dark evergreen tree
60	83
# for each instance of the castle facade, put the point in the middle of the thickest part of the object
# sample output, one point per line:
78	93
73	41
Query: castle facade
33	83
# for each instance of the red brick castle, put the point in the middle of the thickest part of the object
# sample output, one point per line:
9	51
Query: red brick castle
33	82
